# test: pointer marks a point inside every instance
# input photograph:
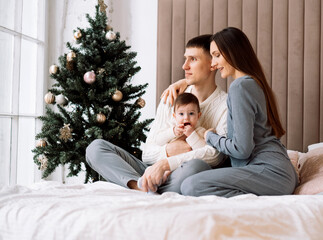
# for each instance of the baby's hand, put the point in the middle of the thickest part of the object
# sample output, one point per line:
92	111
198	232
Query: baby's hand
178	130
188	129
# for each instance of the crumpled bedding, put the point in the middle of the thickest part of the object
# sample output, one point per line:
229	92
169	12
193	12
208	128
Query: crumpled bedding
102	210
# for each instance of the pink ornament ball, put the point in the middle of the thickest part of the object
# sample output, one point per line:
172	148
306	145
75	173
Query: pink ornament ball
89	77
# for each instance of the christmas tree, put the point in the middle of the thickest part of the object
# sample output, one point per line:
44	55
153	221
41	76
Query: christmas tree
94	99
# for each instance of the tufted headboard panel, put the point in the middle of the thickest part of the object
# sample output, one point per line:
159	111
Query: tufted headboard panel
287	37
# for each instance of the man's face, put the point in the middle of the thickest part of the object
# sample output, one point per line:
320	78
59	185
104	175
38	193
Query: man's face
197	65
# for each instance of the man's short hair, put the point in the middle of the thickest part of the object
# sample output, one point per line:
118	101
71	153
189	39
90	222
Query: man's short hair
186	98
202	41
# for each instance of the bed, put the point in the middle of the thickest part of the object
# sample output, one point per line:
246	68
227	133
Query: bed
288	46
102	210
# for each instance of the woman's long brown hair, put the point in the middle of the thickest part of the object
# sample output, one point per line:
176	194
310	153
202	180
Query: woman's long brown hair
235	47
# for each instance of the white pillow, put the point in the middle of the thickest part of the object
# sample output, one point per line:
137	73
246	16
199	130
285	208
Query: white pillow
314	146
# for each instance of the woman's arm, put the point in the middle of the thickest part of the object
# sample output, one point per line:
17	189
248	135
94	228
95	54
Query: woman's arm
242	107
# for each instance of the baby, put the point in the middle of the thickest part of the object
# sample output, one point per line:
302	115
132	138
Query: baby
186	114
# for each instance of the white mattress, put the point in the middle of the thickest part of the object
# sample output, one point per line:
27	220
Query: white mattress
50	210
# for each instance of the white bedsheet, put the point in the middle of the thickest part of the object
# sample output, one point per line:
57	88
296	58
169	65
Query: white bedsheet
50	210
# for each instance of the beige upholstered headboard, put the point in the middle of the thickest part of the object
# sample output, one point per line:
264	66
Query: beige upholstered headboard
287	36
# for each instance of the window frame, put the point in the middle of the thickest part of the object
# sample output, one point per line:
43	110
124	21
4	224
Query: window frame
41	83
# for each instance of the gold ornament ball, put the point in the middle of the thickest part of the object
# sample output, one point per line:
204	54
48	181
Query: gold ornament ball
101	118
117	96
53	69
141	102
70	56
77	34
49	98
41	143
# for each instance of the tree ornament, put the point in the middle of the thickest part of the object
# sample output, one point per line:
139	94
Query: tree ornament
110	35
53	69
70	56
41	143
103	6
77	35
89	77
49	98
65	132
141	102
117	96
61	100
101	70
108	28
43	160
100	118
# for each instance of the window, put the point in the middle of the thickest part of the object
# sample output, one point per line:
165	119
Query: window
22	82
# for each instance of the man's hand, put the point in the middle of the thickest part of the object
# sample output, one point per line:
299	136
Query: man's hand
177	147
153	175
173	90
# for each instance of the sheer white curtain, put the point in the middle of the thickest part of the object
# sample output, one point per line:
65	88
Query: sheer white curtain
22	82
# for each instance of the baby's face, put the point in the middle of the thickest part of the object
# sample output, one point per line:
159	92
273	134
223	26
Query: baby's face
187	115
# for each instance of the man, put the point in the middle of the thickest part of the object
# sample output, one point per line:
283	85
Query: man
118	166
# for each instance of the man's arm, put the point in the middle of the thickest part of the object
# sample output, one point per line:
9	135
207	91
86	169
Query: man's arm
207	153
177	147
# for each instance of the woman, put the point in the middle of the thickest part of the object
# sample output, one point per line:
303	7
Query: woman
260	164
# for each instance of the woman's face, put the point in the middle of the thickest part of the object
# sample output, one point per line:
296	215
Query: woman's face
219	62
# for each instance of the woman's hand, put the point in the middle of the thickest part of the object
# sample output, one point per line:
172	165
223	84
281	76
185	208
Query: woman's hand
207	131
173	90
153	176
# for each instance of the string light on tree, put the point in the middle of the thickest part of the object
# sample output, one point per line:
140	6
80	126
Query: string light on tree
53	69
117	96
89	77
49	98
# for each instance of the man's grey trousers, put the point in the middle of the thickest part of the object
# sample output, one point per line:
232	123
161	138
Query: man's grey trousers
118	166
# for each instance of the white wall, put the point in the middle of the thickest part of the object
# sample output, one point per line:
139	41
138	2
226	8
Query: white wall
136	20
